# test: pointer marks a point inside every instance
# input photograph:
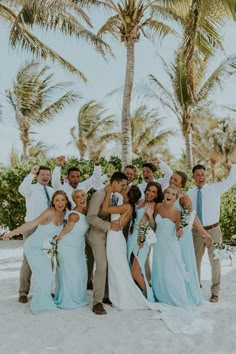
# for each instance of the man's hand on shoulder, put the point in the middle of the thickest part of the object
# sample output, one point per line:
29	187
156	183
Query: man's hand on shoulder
60	160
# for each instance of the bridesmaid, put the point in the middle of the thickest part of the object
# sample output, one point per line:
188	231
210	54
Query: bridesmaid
169	276
138	254
71	275
48	224
179	180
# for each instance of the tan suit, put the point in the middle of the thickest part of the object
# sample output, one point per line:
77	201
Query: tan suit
97	237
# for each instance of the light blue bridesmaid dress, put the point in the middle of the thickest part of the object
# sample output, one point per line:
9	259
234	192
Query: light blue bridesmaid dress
71	275
188	254
40	264
141	254
169	276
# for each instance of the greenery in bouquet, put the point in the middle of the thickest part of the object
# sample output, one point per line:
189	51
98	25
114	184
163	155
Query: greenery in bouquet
52	252
184	215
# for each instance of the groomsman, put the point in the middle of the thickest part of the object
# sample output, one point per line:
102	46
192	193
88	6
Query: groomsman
73	178
99	225
206	201
37	199
131	173
149	170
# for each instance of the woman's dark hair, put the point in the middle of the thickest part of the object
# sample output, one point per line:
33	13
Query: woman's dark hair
68	204
183	176
134	195
160	196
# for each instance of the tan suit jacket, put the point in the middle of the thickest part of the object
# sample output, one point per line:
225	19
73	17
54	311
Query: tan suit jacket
98	220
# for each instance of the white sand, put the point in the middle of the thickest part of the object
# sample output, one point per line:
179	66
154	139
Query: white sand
127	332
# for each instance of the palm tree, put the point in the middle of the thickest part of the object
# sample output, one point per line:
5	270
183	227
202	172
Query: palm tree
147	133
129	21
31	99
214	141
202	36
66	16
177	98
94	130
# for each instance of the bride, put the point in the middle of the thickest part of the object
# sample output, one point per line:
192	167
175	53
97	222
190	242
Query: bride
123	292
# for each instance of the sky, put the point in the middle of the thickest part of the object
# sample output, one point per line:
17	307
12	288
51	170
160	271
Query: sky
103	77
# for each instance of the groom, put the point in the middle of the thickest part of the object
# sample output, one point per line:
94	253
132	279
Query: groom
99	225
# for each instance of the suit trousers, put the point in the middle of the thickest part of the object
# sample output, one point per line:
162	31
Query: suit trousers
100	274
90	261
199	247
25	271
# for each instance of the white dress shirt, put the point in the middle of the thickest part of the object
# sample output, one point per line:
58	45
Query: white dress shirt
95	181
211	194
163	181
35	197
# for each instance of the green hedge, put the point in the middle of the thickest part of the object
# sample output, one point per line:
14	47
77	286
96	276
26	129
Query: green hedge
12	204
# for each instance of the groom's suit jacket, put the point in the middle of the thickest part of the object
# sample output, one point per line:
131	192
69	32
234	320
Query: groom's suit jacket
98	220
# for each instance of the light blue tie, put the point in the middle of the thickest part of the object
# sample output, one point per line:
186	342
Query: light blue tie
47	196
199	204
113	200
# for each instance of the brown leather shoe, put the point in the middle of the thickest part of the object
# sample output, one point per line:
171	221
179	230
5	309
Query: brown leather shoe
214	298
107	301
98	309
23	299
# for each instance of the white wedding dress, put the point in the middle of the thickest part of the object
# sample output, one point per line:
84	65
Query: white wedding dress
125	294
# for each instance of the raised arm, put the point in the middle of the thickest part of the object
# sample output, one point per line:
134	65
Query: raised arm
56	174
96	180
25	187
164	181
43	218
72	220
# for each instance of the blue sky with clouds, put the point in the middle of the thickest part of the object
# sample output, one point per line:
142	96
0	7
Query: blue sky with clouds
103	77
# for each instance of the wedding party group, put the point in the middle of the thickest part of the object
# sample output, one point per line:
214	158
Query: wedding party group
135	246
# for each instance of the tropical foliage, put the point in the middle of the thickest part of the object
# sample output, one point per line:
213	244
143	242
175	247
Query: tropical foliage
175	95
32	98
130	20
148	136
11	200
65	16
94	130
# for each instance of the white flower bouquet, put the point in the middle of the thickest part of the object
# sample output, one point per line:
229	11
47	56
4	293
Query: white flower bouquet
147	234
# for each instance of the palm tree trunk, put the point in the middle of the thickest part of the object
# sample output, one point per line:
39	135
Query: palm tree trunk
126	139
189	151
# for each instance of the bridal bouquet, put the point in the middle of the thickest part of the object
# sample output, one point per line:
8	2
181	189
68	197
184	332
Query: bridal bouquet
224	251
184	220
147	234
50	246
185	215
